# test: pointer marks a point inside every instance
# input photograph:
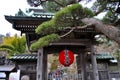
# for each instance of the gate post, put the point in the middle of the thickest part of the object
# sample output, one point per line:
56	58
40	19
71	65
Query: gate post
83	66
94	63
41	65
45	74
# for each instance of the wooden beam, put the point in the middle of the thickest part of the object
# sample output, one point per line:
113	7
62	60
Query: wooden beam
57	49
73	42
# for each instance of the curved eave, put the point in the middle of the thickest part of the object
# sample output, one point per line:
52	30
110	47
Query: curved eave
24	58
26	24
12	19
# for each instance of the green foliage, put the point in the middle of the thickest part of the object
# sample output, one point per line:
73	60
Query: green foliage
99	5
54	6
110	8
19	43
44	41
104	5
7	46
69	16
110	18
87	12
46	27
51	7
117	55
14	45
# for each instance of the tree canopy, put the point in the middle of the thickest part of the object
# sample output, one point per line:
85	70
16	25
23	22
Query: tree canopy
68	17
73	16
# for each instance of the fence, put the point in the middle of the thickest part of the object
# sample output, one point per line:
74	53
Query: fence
114	75
103	75
65	77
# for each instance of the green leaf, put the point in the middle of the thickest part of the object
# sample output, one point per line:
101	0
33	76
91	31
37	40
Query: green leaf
46	27
14	45
44	41
5	46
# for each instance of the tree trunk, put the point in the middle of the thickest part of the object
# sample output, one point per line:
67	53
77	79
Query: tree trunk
110	31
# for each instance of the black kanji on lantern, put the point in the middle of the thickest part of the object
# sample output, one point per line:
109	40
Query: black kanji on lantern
67	59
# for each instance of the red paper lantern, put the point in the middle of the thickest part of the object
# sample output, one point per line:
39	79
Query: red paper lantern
66	57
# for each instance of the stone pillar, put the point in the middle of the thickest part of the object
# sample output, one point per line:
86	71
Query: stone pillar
94	63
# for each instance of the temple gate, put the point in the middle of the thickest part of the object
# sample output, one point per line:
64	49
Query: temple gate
81	42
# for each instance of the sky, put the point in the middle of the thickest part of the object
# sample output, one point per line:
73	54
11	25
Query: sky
10	7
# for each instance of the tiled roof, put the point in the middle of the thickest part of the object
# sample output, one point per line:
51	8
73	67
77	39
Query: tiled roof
114	61
34	13
104	55
7	68
24	57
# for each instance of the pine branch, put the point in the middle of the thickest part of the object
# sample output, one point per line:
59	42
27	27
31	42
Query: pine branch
58	2
68	32
73	28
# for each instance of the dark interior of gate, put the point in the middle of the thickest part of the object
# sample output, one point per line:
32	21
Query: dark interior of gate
81	42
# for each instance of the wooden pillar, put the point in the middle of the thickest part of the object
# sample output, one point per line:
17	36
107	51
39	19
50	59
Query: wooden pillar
45	66
78	61
83	66
39	64
94	63
7	75
42	65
